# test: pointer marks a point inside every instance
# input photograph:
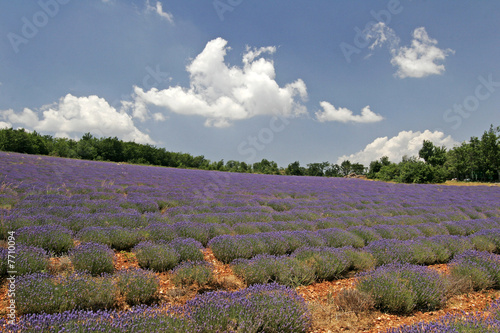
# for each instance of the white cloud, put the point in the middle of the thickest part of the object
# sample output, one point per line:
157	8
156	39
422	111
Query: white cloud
344	115
79	115
419	60
405	143
26	117
3	124
223	94
158	9
382	35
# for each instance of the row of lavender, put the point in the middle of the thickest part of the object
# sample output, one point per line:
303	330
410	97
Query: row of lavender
265	259
261	308
122	238
396	287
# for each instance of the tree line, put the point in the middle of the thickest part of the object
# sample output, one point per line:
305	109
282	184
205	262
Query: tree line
478	159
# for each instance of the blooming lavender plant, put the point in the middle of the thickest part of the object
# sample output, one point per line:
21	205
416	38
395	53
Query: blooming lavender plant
480	269
52	238
280	269
259	308
401	288
188	249
3	261
339	238
30	259
158	257
327	263
190	272
93	258
138	286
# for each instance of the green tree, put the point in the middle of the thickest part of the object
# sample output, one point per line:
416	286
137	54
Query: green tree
490	154
358	168
86	147
333	171
317	169
294	169
431	154
376	166
345	167
266	167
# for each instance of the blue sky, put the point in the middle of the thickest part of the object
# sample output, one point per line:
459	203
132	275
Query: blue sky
306	81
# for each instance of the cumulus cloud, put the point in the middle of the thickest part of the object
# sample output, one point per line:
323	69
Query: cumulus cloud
223	94
79	115
158	9
405	143
3	124
419	60
344	115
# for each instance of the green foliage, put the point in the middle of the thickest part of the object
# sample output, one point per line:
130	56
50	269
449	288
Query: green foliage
158	257
192	272
266	167
138	286
431	154
294	169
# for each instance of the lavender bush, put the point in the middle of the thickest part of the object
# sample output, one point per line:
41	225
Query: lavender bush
87	292
138	286
160	231
93	258
41	292
388	251
197	231
188	273
188	249
481	270
123	239
260	308
340	238
3	261
327	263
53	238
94	235
266	268
159	257
402	289
30	259
226	248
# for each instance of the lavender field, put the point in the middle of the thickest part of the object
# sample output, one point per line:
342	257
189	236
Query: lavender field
275	232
